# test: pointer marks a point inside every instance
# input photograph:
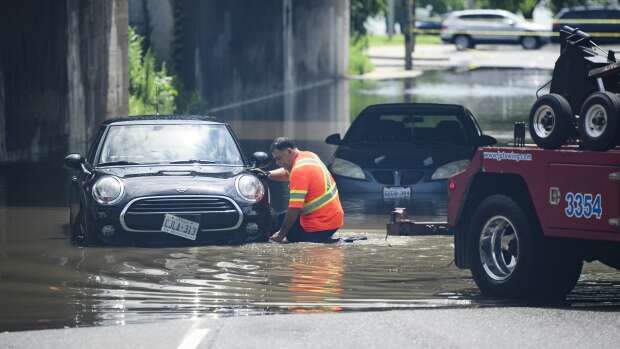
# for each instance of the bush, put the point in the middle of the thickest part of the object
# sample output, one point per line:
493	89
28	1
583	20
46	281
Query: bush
359	63
151	90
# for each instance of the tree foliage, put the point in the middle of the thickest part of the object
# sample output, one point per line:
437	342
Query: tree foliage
360	11
151	89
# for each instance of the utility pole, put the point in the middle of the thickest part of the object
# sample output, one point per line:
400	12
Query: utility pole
390	19
409	33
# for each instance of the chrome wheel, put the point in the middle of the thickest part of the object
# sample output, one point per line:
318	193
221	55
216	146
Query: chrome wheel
544	121
595	121
499	248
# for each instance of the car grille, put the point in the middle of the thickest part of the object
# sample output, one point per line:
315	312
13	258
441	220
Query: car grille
407	177
212	212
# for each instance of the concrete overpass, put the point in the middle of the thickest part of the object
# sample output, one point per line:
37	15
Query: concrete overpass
63	63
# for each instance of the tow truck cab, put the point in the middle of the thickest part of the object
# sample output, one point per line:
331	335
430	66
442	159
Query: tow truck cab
525	218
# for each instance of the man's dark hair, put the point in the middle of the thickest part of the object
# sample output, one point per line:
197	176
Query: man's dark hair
282	143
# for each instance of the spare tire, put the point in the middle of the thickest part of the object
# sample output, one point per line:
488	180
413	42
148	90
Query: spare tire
550	121
598	121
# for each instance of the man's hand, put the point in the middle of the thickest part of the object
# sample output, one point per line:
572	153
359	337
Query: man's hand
260	173
277	237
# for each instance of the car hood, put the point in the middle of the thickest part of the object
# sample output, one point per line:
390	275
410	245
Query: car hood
403	157
172	170
176	180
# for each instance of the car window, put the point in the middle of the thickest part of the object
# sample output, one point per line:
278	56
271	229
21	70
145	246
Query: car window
387	128
169	143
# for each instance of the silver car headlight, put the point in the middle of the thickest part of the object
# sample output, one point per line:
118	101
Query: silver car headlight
108	190
346	168
250	188
450	169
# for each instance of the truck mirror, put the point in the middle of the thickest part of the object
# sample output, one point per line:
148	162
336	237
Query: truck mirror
485	140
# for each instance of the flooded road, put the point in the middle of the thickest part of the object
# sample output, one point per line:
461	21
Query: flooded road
45	282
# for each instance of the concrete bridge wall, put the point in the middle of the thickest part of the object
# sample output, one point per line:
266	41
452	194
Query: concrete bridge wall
63	69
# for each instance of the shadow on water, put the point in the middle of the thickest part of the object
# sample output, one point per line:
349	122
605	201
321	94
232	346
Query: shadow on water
45	282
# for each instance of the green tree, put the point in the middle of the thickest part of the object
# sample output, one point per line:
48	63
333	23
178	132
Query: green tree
360	11
151	90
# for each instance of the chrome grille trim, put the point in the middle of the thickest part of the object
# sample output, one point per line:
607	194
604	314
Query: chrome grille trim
237	209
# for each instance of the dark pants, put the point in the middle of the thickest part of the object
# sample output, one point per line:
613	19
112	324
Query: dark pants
298	234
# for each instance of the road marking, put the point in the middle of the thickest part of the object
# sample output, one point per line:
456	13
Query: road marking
194	336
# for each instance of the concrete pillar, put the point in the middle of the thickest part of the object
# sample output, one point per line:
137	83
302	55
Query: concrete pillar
161	27
118	72
288	61
75	100
2	116
97	72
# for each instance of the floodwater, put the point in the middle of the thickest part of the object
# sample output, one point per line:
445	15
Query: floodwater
45	282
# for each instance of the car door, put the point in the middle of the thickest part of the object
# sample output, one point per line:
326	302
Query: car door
584	197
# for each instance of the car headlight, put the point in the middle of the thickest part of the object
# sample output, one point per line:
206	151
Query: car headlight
450	169
108	190
250	188
346	168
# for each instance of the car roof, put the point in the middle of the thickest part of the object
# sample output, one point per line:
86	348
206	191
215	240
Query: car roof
163	119
392	106
587	8
480	12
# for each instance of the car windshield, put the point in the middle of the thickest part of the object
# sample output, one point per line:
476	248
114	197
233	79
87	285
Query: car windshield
415	128
182	143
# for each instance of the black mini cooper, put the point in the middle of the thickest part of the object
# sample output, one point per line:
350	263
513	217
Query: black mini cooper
167	179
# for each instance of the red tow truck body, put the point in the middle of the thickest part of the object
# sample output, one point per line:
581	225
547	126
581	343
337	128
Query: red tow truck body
550	177
567	195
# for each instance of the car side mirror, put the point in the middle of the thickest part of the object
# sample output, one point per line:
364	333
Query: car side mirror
74	161
259	158
485	140
333	139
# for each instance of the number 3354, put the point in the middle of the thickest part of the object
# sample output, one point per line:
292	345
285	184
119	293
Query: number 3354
580	205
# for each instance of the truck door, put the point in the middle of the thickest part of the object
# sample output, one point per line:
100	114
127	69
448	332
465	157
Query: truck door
584	197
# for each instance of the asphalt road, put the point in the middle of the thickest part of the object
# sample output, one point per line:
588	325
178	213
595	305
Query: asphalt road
447	328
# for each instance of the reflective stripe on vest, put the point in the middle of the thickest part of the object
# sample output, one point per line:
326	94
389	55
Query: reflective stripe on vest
331	192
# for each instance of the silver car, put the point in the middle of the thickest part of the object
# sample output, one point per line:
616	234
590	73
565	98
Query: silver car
467	28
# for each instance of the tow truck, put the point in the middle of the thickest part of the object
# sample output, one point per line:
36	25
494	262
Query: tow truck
526	218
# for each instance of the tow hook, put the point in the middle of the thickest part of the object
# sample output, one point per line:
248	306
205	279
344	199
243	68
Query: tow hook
400	224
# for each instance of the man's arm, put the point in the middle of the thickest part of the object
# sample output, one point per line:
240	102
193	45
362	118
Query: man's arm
279	174
289	221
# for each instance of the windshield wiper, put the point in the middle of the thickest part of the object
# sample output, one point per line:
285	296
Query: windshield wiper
121	162
193	161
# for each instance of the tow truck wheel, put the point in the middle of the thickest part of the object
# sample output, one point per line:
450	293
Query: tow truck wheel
598	122
550	121
507	256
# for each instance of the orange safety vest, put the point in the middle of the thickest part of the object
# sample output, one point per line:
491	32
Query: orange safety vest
313	189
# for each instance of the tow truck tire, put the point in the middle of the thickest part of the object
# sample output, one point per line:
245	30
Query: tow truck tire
550	121
507	256
598	121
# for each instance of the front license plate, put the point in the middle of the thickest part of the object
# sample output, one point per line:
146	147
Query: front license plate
178	226
396	193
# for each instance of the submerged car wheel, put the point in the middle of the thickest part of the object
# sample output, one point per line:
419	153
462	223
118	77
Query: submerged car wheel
507	254
530	42
550	121
598	122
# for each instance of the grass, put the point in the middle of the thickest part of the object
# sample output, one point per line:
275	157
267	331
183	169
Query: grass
398	39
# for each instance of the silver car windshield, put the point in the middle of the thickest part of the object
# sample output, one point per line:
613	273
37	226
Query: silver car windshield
157	144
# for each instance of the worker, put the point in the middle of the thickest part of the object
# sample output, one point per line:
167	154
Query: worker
314	212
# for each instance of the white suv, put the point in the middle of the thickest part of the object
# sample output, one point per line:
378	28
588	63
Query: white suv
467	28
